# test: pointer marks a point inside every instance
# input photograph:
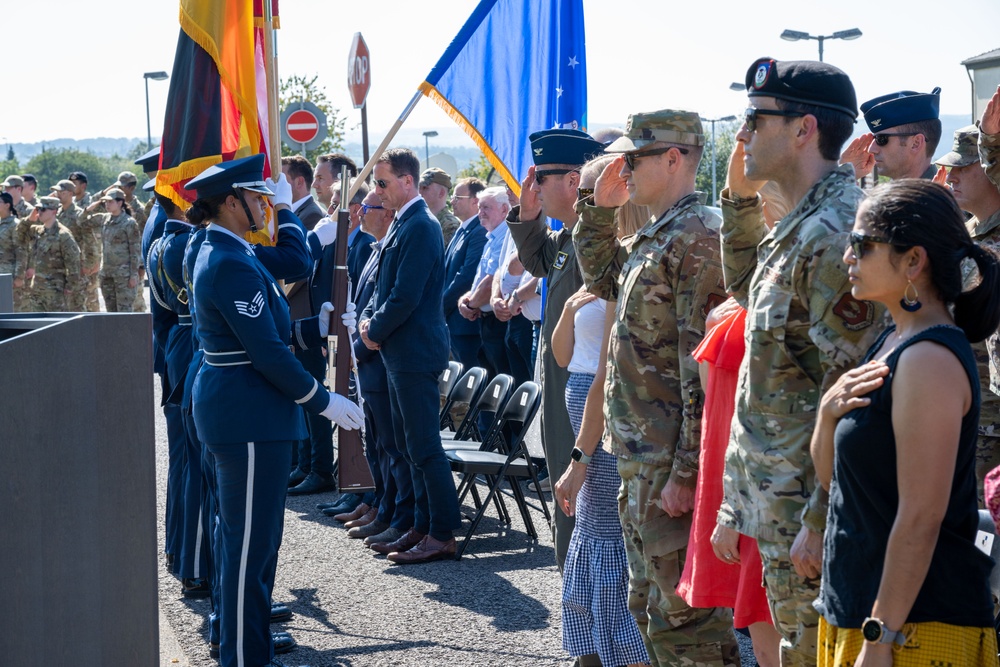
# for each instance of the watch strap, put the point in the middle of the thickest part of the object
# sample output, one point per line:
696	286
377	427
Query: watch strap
580	457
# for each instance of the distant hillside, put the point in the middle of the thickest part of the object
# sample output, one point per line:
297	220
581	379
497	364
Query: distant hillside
100	146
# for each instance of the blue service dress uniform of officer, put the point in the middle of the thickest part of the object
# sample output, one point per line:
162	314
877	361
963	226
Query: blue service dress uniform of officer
246	403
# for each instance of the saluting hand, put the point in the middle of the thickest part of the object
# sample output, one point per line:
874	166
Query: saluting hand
857	154
611	188
941	177
990	123
531	208
736	178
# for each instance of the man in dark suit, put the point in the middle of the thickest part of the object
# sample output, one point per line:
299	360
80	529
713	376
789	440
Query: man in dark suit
314	472
461	259
299	173
405	322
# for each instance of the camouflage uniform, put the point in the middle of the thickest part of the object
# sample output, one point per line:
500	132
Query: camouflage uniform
803	330
653	400
12	259
84	201
121	262
449	224
88	236
23	208
140	217
989	156
25	235
56	261
70	219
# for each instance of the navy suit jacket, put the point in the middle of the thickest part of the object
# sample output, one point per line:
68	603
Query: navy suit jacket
371	370
461	260
298	292
321	285
406	316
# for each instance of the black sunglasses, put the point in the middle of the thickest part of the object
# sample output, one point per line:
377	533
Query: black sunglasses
630	158
584	193
750	116
365	207
883	139
382	184
541	174
858	242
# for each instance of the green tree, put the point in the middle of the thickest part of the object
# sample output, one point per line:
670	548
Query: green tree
479	168
10	154
725	140
50	166
10	165
295	88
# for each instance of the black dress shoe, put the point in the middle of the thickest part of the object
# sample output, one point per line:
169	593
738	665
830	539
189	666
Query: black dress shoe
314	482
195	588
296	477
349	503
280	612
283	642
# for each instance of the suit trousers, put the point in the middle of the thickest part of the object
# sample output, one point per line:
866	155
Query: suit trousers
395	505
415	402
494	334
315	453
519	339
252	482
466	349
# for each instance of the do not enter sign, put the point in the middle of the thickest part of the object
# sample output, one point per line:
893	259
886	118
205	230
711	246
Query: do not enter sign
303	125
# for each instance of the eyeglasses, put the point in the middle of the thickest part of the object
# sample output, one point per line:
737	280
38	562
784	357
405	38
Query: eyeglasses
380	183
858	242
365	208
584	193
463	196
630	158
750	116
883	139
541	174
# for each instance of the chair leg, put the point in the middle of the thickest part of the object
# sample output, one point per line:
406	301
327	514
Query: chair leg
482	510
522	506
538	492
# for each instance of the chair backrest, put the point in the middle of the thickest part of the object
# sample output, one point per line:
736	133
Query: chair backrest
468	387
507	433
448	378
986	537
491	400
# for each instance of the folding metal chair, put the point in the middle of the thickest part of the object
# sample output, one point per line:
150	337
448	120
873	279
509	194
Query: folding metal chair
505	461
490	401
987	536
466	391
445	384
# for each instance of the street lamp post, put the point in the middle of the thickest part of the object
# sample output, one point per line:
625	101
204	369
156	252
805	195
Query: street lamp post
713	121
155	76
796	35
427	147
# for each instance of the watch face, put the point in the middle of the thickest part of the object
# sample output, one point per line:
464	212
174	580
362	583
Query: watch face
871	630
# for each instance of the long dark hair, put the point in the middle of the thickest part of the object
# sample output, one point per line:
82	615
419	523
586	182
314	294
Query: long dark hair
206	209
916	212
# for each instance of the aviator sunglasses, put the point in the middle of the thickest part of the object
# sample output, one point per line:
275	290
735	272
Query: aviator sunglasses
883	139
750	116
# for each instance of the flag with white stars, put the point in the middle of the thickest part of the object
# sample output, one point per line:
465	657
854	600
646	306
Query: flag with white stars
516	67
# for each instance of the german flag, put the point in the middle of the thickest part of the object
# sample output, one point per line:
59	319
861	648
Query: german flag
217	103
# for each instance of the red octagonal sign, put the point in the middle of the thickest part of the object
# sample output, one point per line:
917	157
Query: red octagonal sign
302	126
359	78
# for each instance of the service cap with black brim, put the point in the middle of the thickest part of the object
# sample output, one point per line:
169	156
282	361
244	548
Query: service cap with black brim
243	174
901	108
150	161
563	146
803	81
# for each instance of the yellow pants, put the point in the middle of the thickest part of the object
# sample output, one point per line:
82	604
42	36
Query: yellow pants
926	644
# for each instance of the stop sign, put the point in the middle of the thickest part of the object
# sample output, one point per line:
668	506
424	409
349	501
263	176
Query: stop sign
359	78
302	126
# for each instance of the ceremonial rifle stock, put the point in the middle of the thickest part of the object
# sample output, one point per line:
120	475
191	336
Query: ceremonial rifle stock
353	473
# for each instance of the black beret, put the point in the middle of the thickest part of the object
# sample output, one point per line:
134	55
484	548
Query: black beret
803	81
563	147
900	108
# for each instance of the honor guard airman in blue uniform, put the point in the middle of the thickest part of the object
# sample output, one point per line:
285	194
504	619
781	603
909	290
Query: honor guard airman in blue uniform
246	399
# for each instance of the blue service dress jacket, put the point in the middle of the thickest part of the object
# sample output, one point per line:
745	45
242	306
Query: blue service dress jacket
405	310
165	265
461	259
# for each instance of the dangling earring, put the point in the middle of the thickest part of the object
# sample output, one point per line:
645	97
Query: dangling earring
908	304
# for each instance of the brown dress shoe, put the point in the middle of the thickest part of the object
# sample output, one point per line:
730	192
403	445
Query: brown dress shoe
356	513
366	519
373	528
427	550
409	539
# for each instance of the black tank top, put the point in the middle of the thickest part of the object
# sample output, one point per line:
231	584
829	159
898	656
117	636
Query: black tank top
864	497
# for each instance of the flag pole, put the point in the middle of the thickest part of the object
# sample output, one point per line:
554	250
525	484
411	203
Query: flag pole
271	72
385	144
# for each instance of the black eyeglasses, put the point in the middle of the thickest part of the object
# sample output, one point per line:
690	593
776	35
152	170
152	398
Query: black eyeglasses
883	139
382	184
858	242
541	174
750	116
630	158
365	208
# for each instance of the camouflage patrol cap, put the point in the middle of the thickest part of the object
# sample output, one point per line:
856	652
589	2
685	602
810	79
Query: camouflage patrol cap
964	151
13	181
113	193
669	125
126	178
63	186
50	203
435	175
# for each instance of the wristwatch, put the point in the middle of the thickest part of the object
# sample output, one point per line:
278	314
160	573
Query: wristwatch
874	630
580	457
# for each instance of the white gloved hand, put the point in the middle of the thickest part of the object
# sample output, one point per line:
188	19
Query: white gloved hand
324	319
326	231
282	190
344	412
350	318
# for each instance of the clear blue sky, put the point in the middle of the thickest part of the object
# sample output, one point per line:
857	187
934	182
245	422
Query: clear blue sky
642	55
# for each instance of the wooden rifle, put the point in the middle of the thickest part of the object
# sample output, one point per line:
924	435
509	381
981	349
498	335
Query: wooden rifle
353	472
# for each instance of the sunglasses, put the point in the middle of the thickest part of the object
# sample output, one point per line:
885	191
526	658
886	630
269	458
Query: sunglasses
380	183
883	139
630	158
541	174
584	193
365	208
750	116
858	242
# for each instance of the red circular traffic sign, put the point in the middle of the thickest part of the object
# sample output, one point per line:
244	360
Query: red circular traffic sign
302	126
359	76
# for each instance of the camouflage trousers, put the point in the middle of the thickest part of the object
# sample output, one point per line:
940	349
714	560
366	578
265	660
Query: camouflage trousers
790	598
987	458
656	545
118	296
22	298
48	295
88	287
139	304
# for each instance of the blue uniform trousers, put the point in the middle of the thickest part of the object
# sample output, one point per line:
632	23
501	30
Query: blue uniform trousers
174	516
195	546
415	401
252	481
466	349
396	504
315	453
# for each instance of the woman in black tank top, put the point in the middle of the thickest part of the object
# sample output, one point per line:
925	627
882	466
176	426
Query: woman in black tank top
903	582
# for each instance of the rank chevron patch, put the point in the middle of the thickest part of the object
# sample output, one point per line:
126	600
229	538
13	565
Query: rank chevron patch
252	309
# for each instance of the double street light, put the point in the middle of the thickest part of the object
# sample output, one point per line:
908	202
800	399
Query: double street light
155	76
796	35
713	121
427	147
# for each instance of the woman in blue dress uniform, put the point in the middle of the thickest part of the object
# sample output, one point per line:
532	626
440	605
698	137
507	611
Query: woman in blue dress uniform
246	399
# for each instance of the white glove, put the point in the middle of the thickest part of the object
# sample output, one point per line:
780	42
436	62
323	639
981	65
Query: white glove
350	318
326	231
344	412
324	319
282	190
